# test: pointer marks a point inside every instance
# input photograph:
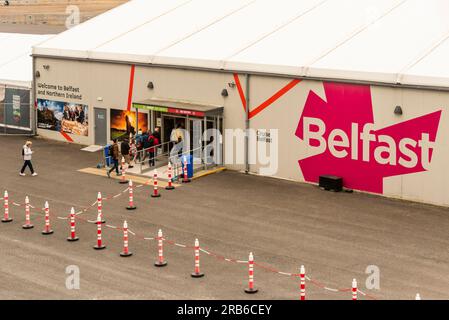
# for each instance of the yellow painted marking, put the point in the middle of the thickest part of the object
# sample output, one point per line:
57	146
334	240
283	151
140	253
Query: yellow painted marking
207	172
136	179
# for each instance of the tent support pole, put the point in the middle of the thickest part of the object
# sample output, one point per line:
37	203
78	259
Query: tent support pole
247	123
33	101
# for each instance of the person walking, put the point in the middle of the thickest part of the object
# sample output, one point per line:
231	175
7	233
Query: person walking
146	144
132	153
157	136
26	154
139	147
177	138
114	153
124	149
153	142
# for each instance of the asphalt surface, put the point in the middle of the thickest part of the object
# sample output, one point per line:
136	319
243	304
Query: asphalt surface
285	224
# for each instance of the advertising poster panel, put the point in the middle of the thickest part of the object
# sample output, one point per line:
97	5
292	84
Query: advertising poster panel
62	116
123	123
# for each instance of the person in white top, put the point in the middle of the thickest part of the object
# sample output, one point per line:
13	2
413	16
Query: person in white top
177	138
26	153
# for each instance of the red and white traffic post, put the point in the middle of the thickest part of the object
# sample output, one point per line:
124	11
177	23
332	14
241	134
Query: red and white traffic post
354	289
160	246
170	177
72	236
6	217
302	285
99	245
47	229
100	207
123	177
131	205
125	252
27	224
155	193
196	273
251	289
185	174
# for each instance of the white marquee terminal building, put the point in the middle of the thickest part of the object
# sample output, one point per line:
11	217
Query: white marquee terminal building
356	88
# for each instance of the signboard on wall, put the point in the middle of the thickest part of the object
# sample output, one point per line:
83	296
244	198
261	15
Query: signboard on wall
184	112
62	116
343	138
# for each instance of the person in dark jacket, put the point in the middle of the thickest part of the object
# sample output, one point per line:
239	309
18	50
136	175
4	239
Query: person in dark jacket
145	144
139	147
80	118
153	142
115	157
124	149
157	136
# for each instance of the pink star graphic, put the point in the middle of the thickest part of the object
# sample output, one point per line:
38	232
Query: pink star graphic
348	104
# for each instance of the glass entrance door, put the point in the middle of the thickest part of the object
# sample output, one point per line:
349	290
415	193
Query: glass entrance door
196	132
169	123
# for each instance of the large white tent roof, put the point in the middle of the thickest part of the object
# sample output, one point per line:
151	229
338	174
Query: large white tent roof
16	64
388	41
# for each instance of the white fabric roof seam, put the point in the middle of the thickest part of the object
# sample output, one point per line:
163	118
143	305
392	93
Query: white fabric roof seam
415	57
378	53
306	67
146	22
16	62
290	21
29	41
422	56
199	30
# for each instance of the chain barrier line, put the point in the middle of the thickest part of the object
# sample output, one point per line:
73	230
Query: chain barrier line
217	256
85	209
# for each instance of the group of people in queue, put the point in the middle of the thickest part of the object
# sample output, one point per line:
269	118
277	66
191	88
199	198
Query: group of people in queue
136	148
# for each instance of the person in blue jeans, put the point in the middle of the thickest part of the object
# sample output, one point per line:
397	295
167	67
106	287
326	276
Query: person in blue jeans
114	152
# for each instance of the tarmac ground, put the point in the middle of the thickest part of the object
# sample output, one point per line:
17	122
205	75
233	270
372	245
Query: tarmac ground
336	236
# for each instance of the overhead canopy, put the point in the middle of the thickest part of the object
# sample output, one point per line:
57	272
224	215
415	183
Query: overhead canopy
389	41
179	107
16	65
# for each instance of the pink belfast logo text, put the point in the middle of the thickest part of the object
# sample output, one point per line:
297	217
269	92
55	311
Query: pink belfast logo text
342	135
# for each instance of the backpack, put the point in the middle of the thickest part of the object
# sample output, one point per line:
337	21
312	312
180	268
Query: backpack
151	141
23	152
110	150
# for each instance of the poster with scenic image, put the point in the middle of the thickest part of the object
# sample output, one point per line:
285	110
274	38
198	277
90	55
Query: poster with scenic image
123	123
62	116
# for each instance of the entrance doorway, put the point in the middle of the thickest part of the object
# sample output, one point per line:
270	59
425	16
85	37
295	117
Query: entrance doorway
100	126
169	123
194	118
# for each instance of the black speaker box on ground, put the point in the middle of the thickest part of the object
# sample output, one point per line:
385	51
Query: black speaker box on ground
331	183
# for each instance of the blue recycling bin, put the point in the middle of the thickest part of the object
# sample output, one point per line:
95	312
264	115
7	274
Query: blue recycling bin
106	155
189	159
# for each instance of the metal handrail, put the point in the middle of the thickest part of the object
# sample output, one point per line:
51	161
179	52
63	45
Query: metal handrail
166	154
163	154
156	146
